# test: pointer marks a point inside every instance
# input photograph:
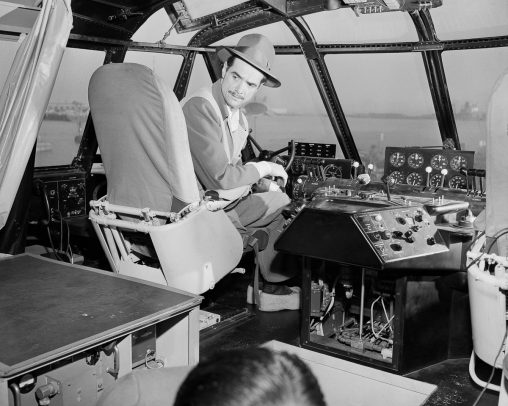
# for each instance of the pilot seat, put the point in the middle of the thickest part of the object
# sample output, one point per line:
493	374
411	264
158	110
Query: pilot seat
154	224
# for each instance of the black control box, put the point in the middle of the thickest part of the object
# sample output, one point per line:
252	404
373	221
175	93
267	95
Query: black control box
314	149
62	192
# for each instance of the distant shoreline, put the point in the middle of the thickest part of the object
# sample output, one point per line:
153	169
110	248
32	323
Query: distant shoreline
57	117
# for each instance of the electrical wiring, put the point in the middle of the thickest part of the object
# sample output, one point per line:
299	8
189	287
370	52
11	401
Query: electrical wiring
386	315
485	252
493	369
50	238
500	233
68	250
332	299
388	323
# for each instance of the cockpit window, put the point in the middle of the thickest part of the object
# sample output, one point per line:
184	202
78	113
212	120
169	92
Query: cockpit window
199	76
165	66
60	133
387	102
350	28
293	111
471	19
471	76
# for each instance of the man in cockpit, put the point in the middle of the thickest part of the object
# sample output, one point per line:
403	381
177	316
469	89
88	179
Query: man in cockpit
218	131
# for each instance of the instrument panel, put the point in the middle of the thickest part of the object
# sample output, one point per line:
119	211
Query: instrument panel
418	166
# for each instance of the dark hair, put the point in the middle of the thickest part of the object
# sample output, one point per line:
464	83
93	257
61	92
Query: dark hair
231	60
250	377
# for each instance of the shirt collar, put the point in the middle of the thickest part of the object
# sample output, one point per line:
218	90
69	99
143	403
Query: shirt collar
233	118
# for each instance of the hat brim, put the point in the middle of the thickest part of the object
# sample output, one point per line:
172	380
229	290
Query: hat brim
224	53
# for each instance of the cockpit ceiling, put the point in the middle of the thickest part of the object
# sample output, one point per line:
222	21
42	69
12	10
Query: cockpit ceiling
120	19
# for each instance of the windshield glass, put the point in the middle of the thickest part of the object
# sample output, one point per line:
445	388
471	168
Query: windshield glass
387	102
471	78
344	26
457	19
65	119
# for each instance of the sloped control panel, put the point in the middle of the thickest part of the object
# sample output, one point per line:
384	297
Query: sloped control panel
369	234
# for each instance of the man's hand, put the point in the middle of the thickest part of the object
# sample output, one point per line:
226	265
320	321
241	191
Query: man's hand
265	185
266	168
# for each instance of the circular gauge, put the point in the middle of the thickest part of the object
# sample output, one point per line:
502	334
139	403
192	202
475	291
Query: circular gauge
415	160
458	162
457	182
414	179
397	159
398	177
435	180
333	171
438	161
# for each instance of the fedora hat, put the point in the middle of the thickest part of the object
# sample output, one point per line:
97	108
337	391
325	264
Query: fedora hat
256	50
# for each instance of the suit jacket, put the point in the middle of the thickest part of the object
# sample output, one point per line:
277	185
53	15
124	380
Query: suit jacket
211	164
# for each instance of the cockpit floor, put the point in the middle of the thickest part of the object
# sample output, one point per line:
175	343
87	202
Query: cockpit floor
253	328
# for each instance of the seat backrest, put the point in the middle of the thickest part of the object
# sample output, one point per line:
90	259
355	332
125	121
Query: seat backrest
142	137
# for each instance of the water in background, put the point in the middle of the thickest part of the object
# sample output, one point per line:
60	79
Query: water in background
58	141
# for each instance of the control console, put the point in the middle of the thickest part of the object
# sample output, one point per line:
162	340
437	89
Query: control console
366	233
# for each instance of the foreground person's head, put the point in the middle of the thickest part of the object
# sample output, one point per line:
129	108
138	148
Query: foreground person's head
251	377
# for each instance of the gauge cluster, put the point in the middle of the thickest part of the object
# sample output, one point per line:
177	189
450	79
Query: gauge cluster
427	167
314	163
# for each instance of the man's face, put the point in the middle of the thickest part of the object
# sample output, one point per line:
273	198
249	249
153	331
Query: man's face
240	82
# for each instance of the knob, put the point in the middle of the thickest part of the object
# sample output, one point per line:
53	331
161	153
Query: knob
408	233
418	217
401	220
47	391
370	167
428	169
410	239
397	234
375	237
378	217
396	247
431	241
386	234
415	228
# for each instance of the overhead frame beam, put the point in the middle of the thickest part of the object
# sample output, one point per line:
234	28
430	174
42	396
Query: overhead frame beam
437	79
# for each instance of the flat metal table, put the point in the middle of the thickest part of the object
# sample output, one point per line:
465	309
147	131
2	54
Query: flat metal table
53	312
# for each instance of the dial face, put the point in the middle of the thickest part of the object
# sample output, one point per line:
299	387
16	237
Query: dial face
438	161
397	176
435	180
414	179
415	160
458	162
397	159
457	182
333	171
